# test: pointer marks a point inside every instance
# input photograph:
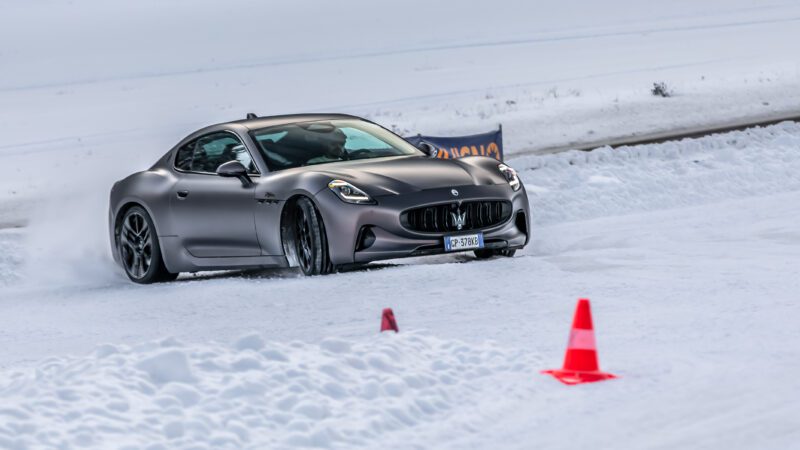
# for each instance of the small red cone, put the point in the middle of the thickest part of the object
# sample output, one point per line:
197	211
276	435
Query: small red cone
580	363
387	321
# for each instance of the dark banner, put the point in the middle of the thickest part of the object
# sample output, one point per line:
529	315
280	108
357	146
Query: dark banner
484	144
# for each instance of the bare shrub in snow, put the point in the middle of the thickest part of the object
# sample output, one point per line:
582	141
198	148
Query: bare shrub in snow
660	89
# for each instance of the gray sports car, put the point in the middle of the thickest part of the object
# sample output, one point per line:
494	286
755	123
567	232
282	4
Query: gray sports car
315	191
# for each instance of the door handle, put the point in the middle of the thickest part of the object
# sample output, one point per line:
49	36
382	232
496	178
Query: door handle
183	194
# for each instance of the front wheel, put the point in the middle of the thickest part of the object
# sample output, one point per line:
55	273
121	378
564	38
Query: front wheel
139	248
311	244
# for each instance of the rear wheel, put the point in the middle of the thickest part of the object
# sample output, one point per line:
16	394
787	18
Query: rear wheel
486	253
139	248
311	243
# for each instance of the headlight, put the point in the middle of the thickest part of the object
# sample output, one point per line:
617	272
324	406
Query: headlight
349	193
511	176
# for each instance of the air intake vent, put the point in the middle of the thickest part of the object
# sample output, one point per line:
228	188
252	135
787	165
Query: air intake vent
457	217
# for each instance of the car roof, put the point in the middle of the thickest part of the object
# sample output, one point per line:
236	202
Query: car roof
269	121
263	122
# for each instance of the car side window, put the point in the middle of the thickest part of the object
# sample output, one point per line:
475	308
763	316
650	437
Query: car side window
183	160
210	152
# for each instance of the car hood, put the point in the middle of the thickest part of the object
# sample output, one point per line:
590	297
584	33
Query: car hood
403	175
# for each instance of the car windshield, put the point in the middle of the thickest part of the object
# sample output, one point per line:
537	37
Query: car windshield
326	141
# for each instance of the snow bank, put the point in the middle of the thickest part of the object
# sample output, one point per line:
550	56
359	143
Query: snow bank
252	394
606	182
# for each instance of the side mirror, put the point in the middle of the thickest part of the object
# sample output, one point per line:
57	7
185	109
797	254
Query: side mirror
428	149
234	169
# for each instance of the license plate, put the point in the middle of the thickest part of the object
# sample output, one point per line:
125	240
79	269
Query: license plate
463	242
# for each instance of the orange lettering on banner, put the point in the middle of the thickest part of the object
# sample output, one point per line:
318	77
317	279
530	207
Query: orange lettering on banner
493	151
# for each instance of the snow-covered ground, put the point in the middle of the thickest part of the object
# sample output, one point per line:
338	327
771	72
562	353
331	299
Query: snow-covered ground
690	251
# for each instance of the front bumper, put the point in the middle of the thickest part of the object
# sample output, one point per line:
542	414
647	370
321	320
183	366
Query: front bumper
344	222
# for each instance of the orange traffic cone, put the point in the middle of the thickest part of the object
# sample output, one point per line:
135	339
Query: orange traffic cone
387	321
580	363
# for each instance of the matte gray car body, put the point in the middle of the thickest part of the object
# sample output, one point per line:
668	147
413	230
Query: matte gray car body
207	222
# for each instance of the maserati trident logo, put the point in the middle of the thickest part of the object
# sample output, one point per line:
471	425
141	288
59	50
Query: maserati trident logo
459	218
454	192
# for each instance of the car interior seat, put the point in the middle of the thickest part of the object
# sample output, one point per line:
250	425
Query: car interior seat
199	160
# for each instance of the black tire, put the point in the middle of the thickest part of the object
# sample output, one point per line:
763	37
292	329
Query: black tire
485	253
139	249
311	243
507	252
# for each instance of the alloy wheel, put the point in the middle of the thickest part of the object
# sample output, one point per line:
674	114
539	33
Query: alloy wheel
304	240
136	245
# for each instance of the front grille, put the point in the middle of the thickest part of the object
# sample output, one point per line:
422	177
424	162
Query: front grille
456	217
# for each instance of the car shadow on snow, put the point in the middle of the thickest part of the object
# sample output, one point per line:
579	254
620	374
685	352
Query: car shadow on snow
276	274
290	273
